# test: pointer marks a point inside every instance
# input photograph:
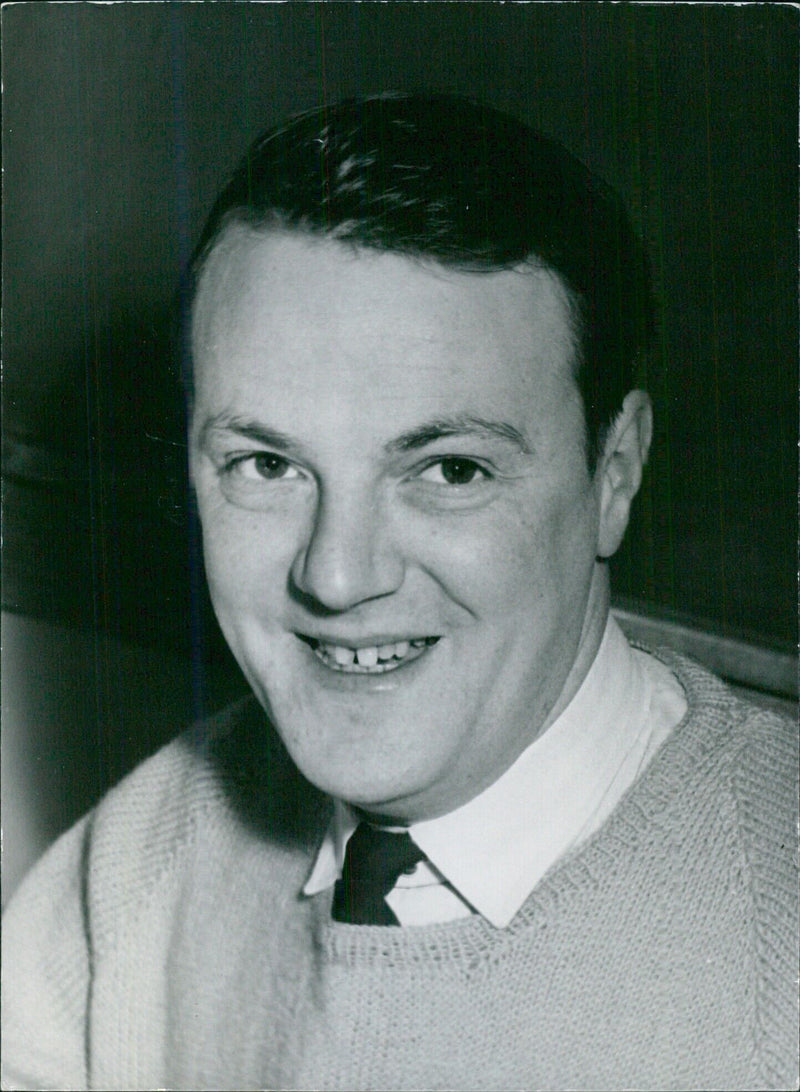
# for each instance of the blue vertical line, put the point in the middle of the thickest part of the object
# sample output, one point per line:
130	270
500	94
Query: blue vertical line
115	597
653	100
587	150
619	120
649	190
715	321
181	182
112	473
637	118
93	490
244	55
785	441
325	167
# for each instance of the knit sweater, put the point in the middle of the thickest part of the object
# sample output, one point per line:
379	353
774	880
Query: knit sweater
164	942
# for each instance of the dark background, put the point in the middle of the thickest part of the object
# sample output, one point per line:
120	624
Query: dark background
121	122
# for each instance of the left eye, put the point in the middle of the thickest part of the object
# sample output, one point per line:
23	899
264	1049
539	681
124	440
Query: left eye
453	471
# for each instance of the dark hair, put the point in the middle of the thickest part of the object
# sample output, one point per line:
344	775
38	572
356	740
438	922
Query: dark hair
441	177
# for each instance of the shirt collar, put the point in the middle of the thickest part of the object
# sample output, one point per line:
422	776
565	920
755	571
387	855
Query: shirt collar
496	847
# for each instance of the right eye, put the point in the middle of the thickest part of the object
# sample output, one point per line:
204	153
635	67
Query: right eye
261	466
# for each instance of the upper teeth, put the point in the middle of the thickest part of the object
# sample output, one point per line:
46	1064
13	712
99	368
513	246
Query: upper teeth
370	655
367	656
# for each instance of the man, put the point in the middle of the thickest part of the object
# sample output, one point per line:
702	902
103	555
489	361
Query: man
467	837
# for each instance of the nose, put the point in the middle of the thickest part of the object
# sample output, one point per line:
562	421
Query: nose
349	555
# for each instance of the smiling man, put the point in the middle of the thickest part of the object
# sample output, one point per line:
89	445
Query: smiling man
406	573
464	836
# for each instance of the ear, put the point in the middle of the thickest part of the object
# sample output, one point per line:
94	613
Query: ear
620	471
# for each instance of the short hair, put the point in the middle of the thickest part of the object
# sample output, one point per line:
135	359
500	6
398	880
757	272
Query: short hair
445	178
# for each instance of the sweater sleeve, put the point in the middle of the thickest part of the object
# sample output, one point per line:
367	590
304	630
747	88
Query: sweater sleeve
45	972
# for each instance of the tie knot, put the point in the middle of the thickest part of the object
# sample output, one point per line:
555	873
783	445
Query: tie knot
373	860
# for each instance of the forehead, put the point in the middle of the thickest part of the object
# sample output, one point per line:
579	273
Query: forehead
318	314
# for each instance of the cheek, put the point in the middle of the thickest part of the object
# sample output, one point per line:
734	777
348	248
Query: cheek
482	562
244	555
566	538
538	552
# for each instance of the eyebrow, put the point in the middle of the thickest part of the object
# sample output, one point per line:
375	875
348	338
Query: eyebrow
437	428
461	425
249	430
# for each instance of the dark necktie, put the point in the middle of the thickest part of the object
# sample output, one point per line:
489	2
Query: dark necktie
372	862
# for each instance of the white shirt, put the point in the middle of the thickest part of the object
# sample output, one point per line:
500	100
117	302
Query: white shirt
488	855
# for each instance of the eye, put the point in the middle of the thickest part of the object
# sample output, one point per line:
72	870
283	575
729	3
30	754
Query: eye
454	470
264	465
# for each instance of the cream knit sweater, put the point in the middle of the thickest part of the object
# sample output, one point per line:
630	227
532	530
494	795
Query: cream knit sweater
164	941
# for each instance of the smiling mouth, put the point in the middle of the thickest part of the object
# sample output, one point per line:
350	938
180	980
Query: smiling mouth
368	659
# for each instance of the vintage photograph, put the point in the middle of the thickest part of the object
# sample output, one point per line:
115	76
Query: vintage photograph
399	554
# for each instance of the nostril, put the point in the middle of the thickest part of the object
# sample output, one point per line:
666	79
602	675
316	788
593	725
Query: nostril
327	586
310	604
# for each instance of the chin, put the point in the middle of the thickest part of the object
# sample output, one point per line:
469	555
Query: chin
370	765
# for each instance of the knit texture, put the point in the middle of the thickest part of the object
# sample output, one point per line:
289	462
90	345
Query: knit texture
164	942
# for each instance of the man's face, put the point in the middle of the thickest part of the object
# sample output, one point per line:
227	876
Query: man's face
399	527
